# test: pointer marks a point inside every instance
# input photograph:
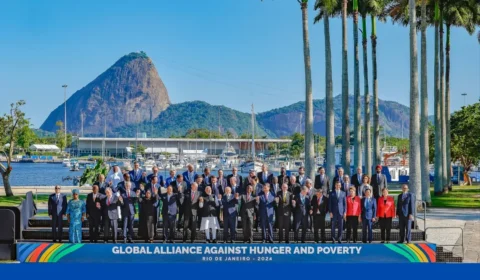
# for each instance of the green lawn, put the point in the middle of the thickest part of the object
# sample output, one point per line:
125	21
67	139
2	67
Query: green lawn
41	198
459	197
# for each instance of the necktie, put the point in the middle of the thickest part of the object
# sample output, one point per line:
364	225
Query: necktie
193	195
338	194
266	197
248	197
319	200
404	196
322	178
303	199
108	201
128	193
284	197
378	178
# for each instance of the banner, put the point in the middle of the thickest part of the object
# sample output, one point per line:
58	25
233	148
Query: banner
198	253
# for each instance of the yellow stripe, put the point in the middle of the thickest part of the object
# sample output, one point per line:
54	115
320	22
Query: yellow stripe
418	252
46	255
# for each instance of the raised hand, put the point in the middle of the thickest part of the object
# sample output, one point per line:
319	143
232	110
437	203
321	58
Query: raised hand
311	212
277	199
219	196
237	195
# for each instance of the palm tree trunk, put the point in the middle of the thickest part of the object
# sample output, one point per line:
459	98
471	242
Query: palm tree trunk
414	153
330	126
345	114
357	110
366	95
447	108
376	124
438	186
442	105
309	141
424	134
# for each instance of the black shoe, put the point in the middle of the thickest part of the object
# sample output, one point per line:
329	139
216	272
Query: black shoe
317	241
382	242
124	241
184	240
287	242
323	241
232	241
369	241
105	241
271	241
400	242
207	241
387	242
339	242
249	241
408	242
263	241
303	241
348	241
164	241
214	241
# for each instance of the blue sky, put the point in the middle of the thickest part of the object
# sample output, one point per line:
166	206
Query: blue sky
225	52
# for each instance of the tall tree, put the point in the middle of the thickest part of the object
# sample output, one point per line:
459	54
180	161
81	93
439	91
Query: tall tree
309	141
326	8
357	125
345	114
366	94
424	133
414	151
60	135
445	178
10	125
438	183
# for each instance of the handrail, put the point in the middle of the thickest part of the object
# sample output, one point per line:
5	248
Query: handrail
453	245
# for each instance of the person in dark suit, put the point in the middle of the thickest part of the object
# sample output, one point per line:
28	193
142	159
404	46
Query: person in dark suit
179	182
264	176
190	175
265	208
136	175
302	178
121	186
319	211
235	174
339	178
57	207
101	183
206	177
94	213
337	205
170	203
322	182
156	173
216	187
357	178
405	212
189	203
369	211
284	210
148	212
301	206
354	214
171	178
201	183
128	200
229	204
110	215
248	180
283	178
274	189
385	213
378	181
294	187
154	187
248	203
209	204
222	181
234	184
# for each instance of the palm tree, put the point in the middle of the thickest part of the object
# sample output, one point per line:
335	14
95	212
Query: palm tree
414	153
461	13
357	132
424	133
366	94
438	184
309	141
345	114
442	101
326	8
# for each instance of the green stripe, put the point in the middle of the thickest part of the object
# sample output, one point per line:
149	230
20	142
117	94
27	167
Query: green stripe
399	251
66	252
59	249
409	251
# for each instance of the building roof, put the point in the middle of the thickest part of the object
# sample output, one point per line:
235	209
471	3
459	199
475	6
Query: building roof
259	140
44	147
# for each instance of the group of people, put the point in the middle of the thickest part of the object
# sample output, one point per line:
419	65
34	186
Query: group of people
204	202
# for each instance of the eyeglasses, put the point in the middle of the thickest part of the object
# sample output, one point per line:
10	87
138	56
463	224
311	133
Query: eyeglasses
57	188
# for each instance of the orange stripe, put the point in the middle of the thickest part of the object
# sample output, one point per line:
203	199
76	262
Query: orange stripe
36	253
432	256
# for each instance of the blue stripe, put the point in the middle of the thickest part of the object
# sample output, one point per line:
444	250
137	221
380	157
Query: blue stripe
26	250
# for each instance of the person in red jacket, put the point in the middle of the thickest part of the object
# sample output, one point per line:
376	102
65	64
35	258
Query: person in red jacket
353	215
385	213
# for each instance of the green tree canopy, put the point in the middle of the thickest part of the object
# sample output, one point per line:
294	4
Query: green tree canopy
465	135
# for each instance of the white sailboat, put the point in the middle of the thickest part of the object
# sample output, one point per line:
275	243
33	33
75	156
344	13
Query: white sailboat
252	164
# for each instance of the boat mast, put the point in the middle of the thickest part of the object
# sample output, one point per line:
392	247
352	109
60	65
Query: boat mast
253	134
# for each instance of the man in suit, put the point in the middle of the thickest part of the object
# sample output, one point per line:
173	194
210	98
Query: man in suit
121	186
302	178
189	175
265	208
357	178
248	180
94	212
222	181
235	174
284	210
156	173
339	178
369	211
172	177
171	201
319	211
301	206
57	207
322	182
189	205
294	187
275	186
236	188
136	175
216	188
178	183
283	178
405	212
101	183
110	215
229	204
378	182
311	191
152	187
337	205
248	203
206	177
265	176
128	200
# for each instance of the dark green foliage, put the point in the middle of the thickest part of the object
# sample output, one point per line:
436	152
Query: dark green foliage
89	176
